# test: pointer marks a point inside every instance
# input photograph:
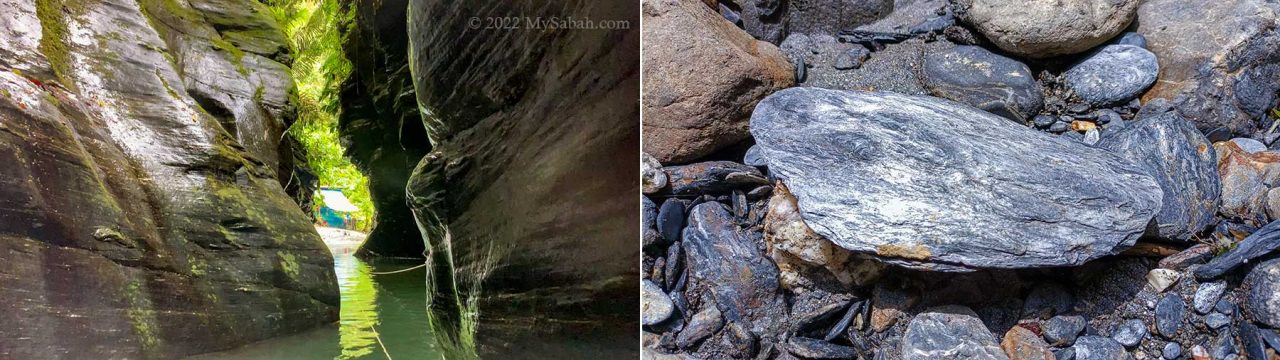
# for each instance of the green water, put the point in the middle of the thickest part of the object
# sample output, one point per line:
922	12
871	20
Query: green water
390	308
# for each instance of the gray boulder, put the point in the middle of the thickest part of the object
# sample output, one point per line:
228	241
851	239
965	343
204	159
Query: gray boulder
1041	29
1263	301
934	184
1113	75
949	332
1183	161
1219	60
975	76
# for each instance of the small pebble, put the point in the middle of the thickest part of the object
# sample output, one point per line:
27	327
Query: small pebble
1132	38
1161	279
1171	350
1107	116
1216	320
1092	136
1043	121
1059	127
1130	333
1169	313
1198	352
1062	330
1225	307
852	59
1207	296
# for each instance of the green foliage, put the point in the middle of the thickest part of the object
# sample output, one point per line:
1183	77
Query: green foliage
314	29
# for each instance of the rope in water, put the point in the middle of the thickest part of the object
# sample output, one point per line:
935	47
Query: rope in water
397	271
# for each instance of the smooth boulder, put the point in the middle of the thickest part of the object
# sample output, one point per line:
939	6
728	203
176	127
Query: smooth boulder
934	184
949	332
1183	161
1041	29
975	76
699	97
1113	75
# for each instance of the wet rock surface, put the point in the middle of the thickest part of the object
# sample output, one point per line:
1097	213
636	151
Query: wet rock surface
143	213
975	76
700	100
936	147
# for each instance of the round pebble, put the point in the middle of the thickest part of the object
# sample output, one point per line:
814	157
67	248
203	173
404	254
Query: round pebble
1169	313
1062	330
1130	333
1216	320
1207	296
1171	350
1113	75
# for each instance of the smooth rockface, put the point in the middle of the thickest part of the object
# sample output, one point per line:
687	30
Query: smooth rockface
949	332
1217	60
699	99
141	211
929	183
1113	75
975	76
1041	29
380	127
1183	161
533	164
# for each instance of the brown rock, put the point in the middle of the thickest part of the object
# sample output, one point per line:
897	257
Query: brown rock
1246	179
1216	59
1022	344
888	304
703	79
794	246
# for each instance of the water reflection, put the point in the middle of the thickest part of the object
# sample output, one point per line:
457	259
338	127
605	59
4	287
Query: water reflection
382	314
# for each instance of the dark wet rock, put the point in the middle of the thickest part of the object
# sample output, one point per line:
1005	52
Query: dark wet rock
1062	330
1099	348
852	58
831	148
1113	75
1183	162
1262	303
1023	344
1129	333
1046	29
975	76
1217	60
713	177
948	331
655	305
501	176
143	207
650	238
379	125
1251	340
725	261
1258	244
703	324
896	67
1171	350
652	178
1207	296
1064	354
1043	121
671	218
1131	38
699	101
1271	337
1226	307
1216	321
817	349
1246	179
1170	311
1223	346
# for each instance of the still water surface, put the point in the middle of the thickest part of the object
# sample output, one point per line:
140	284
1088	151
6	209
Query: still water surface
390	308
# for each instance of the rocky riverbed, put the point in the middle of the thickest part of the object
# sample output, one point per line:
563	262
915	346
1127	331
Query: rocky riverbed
976	179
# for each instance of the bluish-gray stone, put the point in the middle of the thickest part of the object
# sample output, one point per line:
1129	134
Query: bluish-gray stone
1130	332
948	332
1113	74
1062	330
975	76
1183	161
1099	348
1207	296
1169	313
1171	350
1260	243
930	183
1132	38
1262	303
724	259
1216	320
